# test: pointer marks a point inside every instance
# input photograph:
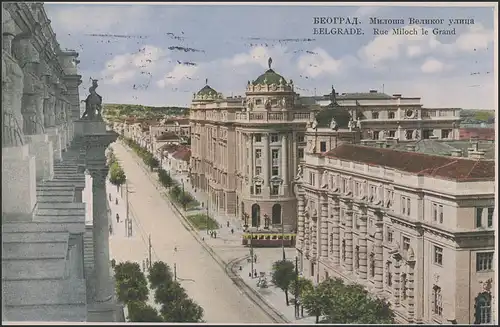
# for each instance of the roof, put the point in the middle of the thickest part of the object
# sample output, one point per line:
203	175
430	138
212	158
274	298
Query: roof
167	136
183	153
269	77
445	148
207	90
170	148
479	133
452	168
340	114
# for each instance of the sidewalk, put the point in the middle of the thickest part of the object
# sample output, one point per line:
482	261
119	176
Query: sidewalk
272	295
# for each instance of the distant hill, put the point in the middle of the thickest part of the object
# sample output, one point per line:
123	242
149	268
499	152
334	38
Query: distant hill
479	115
125	110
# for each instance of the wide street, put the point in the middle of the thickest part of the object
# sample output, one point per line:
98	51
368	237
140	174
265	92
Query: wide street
204	280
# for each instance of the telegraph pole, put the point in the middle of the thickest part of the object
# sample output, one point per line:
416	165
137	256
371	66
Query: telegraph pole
150	247
296	287
127	229
251	253
207	215
282	236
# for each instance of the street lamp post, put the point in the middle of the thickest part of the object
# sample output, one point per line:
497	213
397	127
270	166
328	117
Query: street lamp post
296	287
251	254
266	221
207	216
183	195
245	217
282	236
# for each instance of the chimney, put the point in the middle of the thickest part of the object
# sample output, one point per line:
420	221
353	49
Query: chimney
474	152
456	153
411	147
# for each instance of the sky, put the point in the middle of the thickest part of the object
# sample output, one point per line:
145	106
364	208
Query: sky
136	51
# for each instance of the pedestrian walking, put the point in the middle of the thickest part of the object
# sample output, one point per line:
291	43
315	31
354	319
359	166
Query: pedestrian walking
211	234
117	218
175	249
227	223
215	234
232	231
110	229
255	258
116	201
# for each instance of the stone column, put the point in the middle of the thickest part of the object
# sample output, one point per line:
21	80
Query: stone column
363	244
307	229
266	164
251	164
411	290
397	279
336	232
300	217
324	229
379	254
284	163
348	237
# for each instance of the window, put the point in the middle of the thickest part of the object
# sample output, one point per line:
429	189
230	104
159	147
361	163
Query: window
405	205
322	146
483	309
434	212
392	115
357	191
275	154
375	135
388	274
406	243
490	216
427	133
258	102
390	235
258	138
300	138
372	265
275	190
343	250
479	217
438	255
300	153
392	133
409	134
437	299
408	206
275	171
356	257
484	261
403	287
258	189
441	215
331	243
258	153
274	138
445	133
258	170
344	185
374	115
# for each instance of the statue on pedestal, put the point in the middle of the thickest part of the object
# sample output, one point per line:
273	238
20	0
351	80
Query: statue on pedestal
93	103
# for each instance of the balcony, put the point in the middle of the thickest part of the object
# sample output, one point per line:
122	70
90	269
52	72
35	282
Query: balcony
274	117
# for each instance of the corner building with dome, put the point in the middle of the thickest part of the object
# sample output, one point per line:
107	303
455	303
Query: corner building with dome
246	150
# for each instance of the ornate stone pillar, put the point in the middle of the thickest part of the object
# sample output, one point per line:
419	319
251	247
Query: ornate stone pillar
95	161
324	228
379	254
363	244
284	163
300	216
307	228
411	290
397	279
266	164
336	232
251	163
348	236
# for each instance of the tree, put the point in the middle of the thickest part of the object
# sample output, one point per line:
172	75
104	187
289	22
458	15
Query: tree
139	311
117	175
184	310
159	274
131	284
282	276
304	284
168	293
354	305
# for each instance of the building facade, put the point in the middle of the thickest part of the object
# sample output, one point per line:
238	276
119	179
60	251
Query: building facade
413	228
245	150
396	117
55	257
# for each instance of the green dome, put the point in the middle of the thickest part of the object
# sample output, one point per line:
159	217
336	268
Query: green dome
207	90
340	114
269	77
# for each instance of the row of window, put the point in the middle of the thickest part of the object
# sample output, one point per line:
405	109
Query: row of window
411	134
275	189
479	217
274	138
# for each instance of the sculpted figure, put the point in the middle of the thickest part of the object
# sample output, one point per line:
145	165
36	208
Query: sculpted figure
351	125
299	172
12	87
333	125
324	180
93	103
314	123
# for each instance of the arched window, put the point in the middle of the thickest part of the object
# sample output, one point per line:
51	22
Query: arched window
331	242
276	214
483	309
437	301
255	215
